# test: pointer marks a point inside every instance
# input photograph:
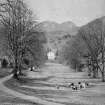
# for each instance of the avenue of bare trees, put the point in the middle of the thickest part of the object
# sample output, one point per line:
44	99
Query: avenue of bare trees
87	49
18	35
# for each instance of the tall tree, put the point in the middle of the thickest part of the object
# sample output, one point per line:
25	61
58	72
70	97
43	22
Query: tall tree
93	34
19	30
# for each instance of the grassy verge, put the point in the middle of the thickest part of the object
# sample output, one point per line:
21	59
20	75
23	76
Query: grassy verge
5	72
30	82
16	85
11	100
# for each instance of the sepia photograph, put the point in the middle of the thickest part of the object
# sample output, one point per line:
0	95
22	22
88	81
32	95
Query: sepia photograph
52	52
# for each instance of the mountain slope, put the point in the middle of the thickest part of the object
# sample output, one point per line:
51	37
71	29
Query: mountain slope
49	26
56	33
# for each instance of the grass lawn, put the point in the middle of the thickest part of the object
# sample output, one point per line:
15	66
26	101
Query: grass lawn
6	98
44	88
11	100
5	72
16	85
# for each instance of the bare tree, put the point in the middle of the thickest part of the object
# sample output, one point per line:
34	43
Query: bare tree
70	53
93	34
19	30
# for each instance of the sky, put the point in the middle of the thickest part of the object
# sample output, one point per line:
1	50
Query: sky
78	11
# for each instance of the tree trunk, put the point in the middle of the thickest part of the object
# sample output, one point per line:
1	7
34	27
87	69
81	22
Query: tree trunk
15	74
15	70
103	79
94	71
20	70
97	73
94	74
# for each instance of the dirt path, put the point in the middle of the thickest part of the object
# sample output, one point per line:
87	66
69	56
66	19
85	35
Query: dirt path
22	96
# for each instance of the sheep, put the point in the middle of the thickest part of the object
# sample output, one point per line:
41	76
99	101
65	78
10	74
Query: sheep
80	85
86	83
74	88
83	84
71	85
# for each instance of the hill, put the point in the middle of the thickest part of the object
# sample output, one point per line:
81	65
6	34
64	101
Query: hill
57	33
